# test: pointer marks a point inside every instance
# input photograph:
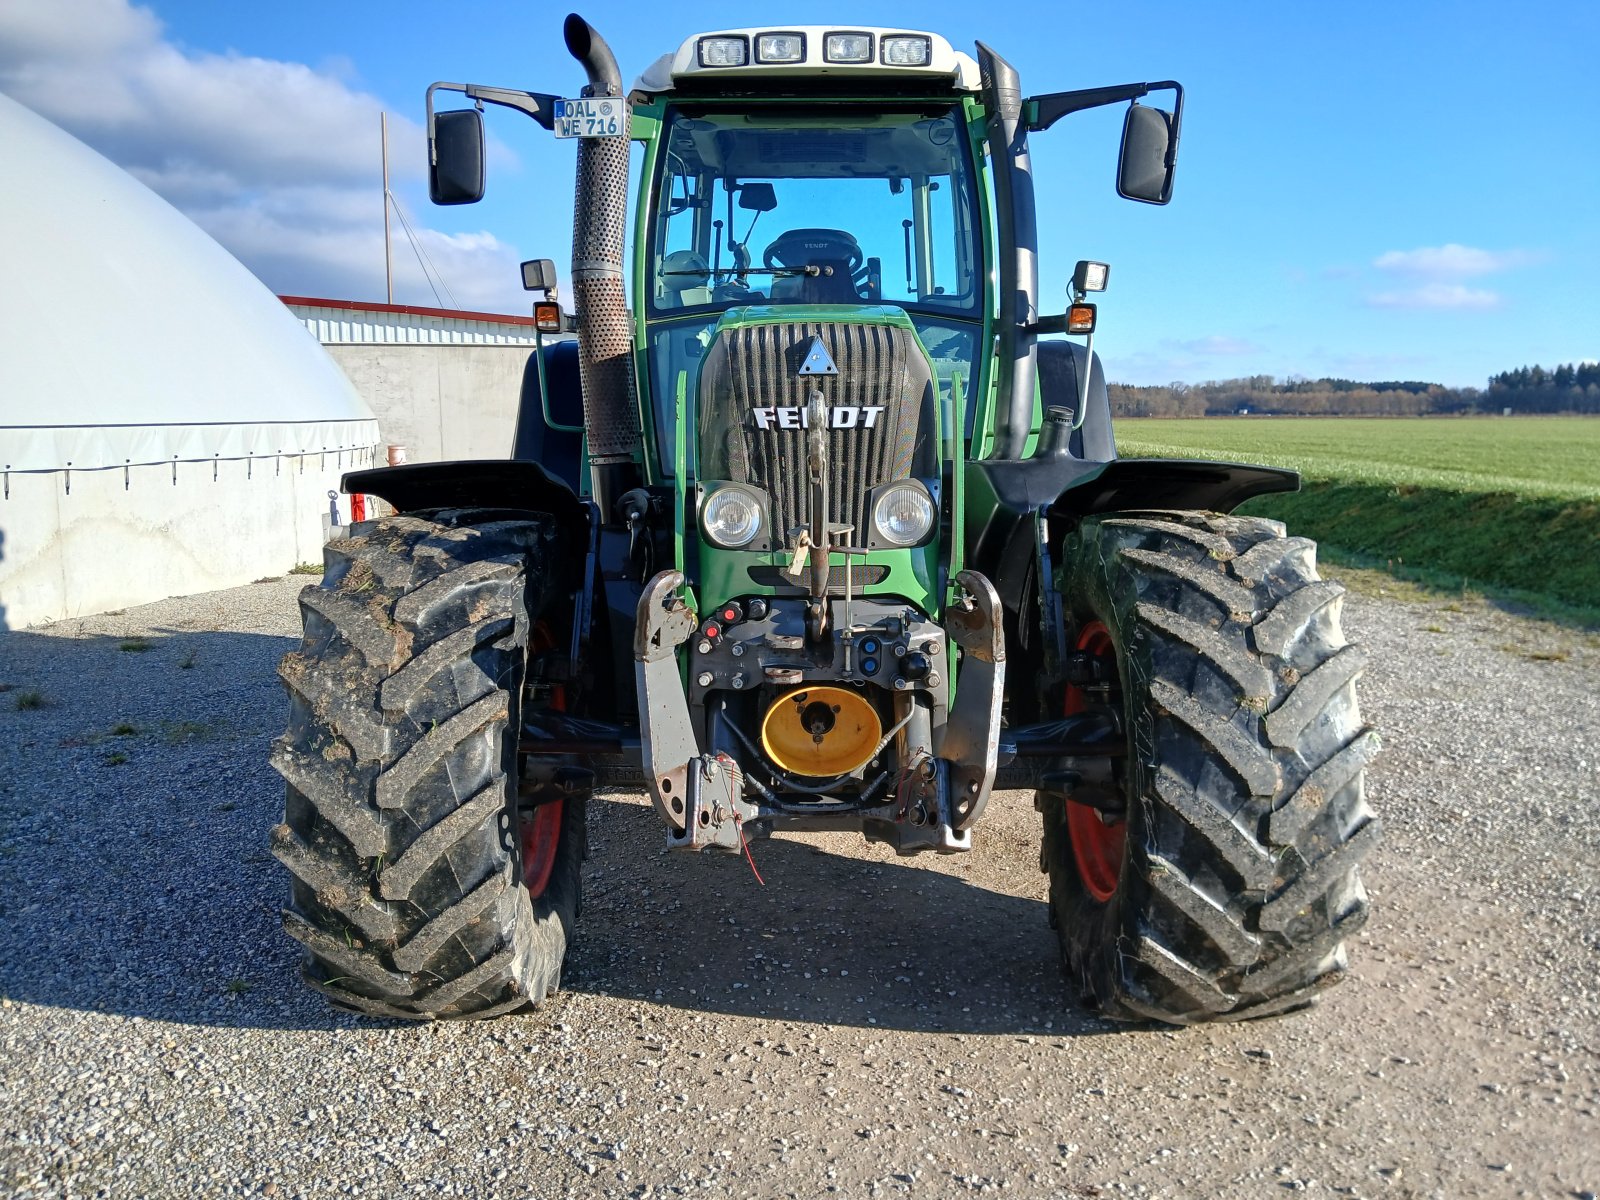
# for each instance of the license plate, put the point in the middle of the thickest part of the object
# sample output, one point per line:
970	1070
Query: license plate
593	116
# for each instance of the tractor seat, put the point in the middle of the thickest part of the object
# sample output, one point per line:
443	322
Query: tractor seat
685	280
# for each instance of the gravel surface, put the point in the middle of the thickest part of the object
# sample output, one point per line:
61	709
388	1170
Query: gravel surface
860	1025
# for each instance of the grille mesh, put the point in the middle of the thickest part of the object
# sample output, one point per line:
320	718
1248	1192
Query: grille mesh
755	367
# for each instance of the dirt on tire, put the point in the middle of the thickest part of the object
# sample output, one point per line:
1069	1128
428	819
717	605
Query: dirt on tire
1244	814
400	759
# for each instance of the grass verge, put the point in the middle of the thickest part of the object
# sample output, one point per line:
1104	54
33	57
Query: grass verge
1509	507
1540	552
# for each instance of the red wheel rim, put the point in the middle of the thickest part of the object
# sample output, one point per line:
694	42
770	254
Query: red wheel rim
1097	846
540	831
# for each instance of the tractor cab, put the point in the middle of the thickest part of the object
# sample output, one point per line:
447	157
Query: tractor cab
811	166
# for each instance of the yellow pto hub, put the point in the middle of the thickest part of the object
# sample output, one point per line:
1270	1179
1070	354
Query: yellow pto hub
819	732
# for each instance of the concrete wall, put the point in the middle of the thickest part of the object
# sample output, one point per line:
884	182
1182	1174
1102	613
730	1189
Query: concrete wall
79	542
440	402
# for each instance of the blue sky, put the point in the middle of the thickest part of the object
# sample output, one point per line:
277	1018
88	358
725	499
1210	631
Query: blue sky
1371	190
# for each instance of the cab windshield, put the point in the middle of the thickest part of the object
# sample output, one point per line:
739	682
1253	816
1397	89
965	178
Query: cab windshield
874	208
827	206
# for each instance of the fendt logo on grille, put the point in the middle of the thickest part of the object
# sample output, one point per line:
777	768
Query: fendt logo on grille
840	416
817	360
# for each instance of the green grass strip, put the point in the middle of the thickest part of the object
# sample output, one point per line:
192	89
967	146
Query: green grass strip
1505	505
1539	547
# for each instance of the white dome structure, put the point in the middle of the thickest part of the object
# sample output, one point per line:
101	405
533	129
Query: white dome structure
166	425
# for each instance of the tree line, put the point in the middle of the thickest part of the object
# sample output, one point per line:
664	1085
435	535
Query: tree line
1573	388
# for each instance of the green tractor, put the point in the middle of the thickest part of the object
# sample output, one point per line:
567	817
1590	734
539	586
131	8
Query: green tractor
827	533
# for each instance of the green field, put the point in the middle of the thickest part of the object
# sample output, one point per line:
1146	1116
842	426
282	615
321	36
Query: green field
1504	503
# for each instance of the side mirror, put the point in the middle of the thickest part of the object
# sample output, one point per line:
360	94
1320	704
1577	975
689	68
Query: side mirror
455	157
539	275
1149	155
757	197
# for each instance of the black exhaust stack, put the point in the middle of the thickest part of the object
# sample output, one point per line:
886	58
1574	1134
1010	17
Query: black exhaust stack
1018	235
605	343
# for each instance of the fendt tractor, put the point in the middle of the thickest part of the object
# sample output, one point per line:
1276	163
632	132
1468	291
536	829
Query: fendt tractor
826	533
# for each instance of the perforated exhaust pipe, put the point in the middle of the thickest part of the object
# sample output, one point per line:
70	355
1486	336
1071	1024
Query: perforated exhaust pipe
610	416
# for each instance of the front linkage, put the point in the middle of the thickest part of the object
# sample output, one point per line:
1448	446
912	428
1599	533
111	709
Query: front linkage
944	758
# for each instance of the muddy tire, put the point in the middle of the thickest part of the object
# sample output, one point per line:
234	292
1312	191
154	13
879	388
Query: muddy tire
401	828
1227	884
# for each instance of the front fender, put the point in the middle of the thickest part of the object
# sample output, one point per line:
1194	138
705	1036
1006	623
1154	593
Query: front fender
1144	483
486	483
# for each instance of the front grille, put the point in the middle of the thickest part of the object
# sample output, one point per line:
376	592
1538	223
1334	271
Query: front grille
754	367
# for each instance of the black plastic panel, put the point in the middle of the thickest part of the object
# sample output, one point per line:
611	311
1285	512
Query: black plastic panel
1139	483
488	483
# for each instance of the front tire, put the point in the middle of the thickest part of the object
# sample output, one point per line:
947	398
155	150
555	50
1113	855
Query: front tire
1221	881
414	868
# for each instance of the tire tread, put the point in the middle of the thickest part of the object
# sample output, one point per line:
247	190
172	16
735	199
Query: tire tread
405	885
1247	812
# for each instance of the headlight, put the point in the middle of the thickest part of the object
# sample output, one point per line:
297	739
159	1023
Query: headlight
903	514
731	518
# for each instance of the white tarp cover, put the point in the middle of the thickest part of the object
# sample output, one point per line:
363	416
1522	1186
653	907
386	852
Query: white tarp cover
128	336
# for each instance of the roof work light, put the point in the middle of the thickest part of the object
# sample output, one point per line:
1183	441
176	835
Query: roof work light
847	47
780	48
901	50
724	51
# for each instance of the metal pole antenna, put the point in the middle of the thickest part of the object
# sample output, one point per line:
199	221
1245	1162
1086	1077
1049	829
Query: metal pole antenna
388	249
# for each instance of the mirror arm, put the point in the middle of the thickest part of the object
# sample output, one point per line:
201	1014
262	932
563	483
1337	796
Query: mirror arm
538	105
1041	112
541	106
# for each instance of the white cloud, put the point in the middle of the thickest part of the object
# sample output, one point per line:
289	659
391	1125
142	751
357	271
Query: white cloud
1437	296
279	161
1451	261
322	242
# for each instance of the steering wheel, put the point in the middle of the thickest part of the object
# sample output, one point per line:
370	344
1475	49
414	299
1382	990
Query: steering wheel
801	247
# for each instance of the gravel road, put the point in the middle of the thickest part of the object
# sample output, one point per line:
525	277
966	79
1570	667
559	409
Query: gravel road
858	1026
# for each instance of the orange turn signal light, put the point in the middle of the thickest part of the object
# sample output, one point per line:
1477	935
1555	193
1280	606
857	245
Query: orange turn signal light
547	317
1080	318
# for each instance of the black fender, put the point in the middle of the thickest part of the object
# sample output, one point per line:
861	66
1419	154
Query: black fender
1023	555
1127	484
1004	496
506	483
